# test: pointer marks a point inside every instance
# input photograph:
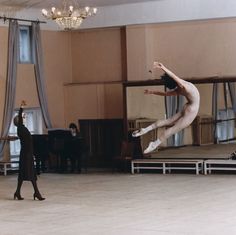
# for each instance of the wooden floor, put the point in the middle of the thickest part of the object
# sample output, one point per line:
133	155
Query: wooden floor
215	151
121	204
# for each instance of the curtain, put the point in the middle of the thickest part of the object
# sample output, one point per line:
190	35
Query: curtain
12	59
225	95
227	126
39	72
173	105
232	93
180	136
215	108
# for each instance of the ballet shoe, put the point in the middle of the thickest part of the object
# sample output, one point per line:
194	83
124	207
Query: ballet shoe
18	196
151	147
38	196
140	132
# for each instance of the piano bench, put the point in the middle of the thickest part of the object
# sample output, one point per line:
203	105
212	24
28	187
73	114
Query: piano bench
6	166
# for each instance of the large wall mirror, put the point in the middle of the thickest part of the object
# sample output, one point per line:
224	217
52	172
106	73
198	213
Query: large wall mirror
215	123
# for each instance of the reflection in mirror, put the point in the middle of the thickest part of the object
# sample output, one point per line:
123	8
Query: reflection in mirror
215	122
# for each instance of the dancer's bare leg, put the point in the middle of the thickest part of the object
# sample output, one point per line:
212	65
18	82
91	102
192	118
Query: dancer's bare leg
179	125
160	123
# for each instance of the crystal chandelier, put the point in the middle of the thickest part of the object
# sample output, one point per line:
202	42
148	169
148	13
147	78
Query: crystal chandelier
69	17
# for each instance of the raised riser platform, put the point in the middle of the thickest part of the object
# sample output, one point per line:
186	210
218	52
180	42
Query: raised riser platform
199	166
167	165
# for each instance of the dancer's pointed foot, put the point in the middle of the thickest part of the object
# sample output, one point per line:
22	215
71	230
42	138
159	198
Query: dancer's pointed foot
139	132
18	196
151	147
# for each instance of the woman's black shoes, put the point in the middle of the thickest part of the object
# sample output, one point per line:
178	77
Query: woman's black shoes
18	196
38	196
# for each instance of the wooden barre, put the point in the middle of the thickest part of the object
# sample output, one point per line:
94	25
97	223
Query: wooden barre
219	120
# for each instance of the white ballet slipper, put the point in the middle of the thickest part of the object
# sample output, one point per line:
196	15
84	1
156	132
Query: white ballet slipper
151	147
140	132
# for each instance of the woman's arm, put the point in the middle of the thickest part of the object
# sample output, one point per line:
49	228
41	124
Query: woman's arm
161	93
20	112
20	120
179	81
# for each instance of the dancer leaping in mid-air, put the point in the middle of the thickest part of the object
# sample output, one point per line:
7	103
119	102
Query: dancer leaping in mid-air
180	120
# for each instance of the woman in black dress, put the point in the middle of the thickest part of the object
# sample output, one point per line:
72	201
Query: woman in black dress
26	162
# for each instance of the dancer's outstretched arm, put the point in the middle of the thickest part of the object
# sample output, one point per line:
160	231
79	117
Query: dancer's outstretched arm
161	93
179	81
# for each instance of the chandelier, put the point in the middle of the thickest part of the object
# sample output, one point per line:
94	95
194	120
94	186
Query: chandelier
69	17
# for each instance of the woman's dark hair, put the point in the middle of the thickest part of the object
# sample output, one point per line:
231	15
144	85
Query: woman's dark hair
169	82
73	126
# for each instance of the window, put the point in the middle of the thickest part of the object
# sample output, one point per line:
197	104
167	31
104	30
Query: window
225	128
25	44
33	121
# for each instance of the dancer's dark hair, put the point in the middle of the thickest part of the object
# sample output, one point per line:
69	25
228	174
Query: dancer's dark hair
169	82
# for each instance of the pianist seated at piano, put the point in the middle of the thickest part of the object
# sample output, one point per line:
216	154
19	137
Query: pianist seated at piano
67	144
77	148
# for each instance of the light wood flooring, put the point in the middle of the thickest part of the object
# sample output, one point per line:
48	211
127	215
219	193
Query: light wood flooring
121	204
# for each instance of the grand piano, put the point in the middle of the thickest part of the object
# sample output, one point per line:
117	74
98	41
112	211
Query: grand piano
60	144
41	151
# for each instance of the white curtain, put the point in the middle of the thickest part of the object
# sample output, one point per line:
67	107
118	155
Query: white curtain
39	72
232	93
223	113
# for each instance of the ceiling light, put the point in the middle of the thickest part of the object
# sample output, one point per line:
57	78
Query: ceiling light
69	17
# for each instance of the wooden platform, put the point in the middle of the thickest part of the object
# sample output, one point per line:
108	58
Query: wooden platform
219	165
214	151
197	158
166	165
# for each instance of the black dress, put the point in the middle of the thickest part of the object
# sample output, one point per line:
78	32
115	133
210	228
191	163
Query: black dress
26	162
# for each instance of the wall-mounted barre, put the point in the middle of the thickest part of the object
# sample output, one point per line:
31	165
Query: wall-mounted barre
156	82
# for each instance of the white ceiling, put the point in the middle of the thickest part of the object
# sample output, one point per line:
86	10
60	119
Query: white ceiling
50	3
127	12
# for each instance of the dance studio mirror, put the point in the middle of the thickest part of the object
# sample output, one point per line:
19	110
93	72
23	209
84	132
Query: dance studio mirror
215	123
